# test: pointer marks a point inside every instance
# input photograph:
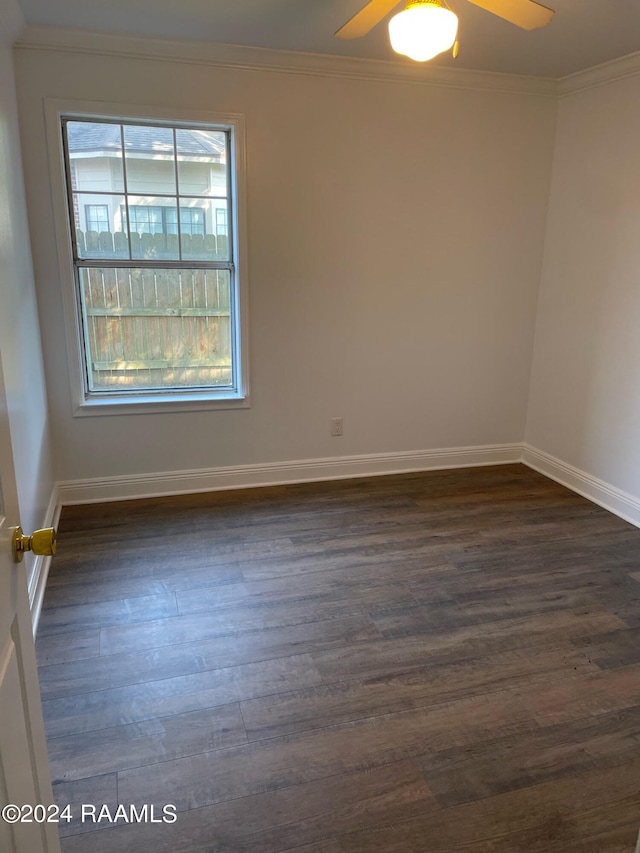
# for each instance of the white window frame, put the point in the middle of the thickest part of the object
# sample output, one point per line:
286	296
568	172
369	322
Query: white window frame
177	400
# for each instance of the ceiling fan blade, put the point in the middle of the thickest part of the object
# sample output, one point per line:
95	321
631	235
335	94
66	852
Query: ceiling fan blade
366	19
523	13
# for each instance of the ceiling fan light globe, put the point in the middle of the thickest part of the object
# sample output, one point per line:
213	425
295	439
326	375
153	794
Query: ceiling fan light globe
423	31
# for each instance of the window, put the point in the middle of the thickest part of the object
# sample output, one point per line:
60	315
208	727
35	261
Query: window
221	222
163	220
147	220
96	217
192	221
156	275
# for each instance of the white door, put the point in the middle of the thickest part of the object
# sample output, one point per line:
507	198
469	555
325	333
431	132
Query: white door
24	769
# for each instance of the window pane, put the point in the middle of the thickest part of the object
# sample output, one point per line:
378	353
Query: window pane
154	329
100	223
154	227
202	162
95	156
150	159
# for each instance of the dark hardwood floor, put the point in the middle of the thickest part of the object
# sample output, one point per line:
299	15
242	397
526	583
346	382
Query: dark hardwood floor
425	663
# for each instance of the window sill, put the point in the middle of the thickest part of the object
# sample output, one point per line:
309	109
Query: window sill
158	404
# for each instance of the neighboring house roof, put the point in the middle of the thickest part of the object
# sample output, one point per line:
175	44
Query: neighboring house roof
101	138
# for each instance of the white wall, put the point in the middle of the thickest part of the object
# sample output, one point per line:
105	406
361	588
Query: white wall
585	389
414	323
20	349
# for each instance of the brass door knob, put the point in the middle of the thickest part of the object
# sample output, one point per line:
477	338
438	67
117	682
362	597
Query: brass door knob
41	542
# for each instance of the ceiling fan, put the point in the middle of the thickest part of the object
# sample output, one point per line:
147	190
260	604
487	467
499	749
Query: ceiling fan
430	24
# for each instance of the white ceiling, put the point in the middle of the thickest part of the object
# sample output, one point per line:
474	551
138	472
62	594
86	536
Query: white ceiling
583	33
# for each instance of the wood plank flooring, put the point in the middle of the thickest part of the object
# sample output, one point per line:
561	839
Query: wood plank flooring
425	663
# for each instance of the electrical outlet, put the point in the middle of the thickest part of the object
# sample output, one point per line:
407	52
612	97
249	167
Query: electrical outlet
337	427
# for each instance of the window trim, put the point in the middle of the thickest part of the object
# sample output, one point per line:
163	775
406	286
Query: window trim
156	402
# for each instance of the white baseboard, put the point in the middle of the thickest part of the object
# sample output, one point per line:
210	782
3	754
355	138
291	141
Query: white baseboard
620	503
279	473
41	565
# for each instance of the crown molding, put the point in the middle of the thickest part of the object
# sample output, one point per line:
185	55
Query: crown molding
12	22
600	75
307	64
277	61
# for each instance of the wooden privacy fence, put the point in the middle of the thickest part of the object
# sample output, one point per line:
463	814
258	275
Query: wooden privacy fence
155	328
108	244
